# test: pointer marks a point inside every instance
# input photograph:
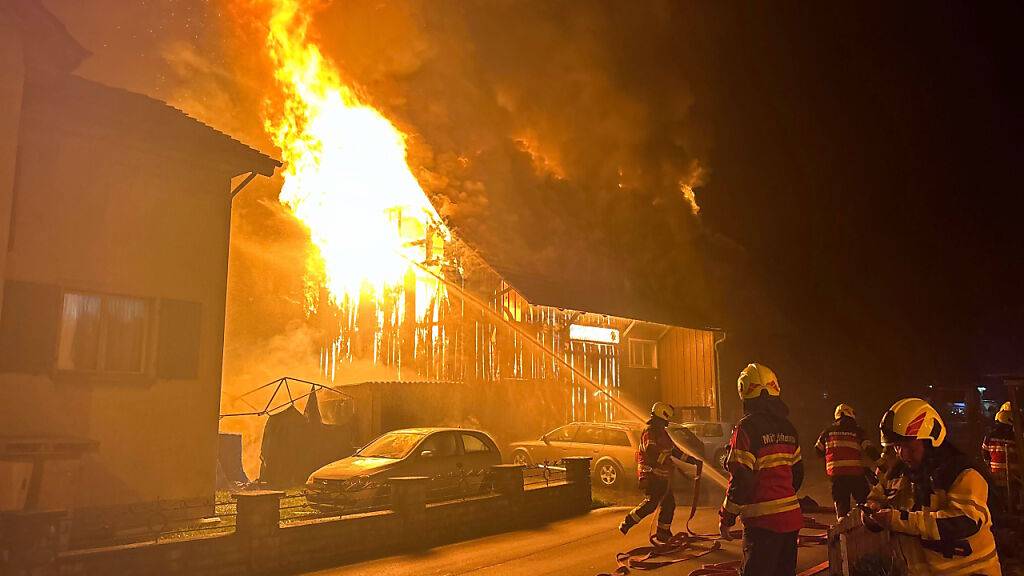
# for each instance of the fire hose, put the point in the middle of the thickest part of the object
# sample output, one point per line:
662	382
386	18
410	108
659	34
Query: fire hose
690	545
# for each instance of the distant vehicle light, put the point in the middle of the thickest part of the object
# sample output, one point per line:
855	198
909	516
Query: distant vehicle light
593	334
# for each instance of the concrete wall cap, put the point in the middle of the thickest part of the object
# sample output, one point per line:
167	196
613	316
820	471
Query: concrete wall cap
245	494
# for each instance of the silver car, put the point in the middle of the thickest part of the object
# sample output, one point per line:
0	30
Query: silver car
451	457
612	447
714	435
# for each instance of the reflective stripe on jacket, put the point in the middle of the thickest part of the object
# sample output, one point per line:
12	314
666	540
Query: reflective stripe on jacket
1000	451
954	527
655	452
843	445
766	471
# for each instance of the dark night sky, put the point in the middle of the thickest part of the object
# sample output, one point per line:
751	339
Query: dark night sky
863	154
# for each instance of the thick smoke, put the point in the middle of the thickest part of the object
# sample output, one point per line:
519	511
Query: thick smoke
559	138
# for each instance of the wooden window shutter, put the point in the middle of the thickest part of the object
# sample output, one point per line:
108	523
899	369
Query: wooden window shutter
178	340
29	324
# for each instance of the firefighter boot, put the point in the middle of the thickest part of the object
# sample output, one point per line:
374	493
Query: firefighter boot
627	523
662	535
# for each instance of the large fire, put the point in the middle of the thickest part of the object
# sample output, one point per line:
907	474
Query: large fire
346	176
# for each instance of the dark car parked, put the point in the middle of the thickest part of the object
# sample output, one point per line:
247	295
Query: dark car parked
612	447
455	459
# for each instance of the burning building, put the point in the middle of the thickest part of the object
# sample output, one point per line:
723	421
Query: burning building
471	331
114	226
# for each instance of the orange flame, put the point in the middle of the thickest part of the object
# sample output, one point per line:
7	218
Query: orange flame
346	178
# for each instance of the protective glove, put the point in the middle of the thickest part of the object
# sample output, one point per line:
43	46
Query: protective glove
724	530
725	523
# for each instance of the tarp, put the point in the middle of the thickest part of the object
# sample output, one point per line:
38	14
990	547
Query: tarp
297	443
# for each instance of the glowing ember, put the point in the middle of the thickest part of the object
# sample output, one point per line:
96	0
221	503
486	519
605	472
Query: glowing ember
346	176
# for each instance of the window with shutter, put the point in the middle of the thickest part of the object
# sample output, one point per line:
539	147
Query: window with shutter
179	338
103	333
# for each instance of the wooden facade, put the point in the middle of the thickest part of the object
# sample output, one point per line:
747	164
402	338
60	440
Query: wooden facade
458	320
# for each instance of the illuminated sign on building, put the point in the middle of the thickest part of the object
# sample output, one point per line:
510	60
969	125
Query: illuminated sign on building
593	334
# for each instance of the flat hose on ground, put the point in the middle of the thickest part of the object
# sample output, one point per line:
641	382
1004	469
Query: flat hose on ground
689	545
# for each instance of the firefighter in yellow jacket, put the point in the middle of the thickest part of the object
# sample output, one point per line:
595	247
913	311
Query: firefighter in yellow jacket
945	511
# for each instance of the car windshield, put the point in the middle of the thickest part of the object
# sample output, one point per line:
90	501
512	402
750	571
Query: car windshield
394	446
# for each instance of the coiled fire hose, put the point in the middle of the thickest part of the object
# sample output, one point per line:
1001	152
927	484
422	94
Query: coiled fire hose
689	545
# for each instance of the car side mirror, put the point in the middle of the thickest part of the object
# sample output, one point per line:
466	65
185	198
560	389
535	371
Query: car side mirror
427	454
544	439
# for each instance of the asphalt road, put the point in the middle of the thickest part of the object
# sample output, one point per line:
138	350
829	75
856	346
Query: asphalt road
583	546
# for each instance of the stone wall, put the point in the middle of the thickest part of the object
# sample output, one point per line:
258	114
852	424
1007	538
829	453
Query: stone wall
261	545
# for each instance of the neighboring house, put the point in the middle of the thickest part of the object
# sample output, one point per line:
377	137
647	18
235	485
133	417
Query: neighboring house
114	222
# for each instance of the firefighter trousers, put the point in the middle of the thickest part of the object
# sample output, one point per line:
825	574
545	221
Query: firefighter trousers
657	492
767	553
845	487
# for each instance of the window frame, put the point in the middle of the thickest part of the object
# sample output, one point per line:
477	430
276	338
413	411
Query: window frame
148	335
643	342
487	447
616	432
575	427
595	431
148	345
456	443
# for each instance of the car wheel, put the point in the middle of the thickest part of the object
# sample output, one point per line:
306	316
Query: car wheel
720	458
608	474
521	457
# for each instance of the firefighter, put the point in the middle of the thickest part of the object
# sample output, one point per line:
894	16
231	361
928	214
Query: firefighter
766	472
1000	452
844	444
654	469
891	488
943	513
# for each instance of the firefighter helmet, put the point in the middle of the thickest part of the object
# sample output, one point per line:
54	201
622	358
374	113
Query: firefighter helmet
662	410
1005	415
755	379
912	418
844	410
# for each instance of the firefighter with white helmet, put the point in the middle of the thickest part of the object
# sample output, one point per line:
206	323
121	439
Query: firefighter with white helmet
844	445
766	472
654	470
999	450
948	517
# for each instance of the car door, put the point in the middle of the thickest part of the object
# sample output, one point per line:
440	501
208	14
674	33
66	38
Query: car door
479	454
556	443
439	459
589	442
617	445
